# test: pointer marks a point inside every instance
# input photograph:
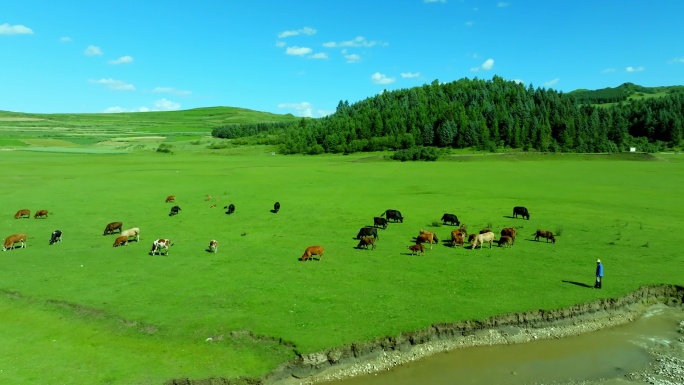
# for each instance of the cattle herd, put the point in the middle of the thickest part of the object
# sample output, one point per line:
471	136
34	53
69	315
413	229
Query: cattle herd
367	235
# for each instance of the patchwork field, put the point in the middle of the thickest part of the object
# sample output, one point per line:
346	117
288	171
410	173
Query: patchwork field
84	312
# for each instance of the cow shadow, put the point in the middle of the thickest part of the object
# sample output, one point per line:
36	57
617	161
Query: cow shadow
511	217
578	284
273	211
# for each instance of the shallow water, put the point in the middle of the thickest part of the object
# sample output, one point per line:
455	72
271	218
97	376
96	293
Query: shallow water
605	356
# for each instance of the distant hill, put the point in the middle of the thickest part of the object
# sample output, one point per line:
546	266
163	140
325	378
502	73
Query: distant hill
624	92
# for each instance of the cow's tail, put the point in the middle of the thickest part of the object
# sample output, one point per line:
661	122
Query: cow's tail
383	213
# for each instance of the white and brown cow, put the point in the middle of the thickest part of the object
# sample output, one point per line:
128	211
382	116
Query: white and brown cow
12	239
213	245
160	244
132	232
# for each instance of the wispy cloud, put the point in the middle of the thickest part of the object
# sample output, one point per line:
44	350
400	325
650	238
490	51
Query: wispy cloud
93	50
634	69
302	109
351	57
434	1
408	75
166	105
358	41
280	44
6	29
502	4
469	23
298	51
170	90
608	70
379	78
118	110
486	66
551	83
676	60
65	39
122	60
302	31
319	55
113	84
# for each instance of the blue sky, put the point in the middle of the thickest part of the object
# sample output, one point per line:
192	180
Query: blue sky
304	56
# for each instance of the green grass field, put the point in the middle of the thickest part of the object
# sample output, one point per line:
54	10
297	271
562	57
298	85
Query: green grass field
84	312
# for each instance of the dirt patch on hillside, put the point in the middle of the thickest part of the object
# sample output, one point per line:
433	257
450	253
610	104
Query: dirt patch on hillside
18	119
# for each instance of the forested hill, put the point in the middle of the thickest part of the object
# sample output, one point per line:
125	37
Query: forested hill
622	93
488	115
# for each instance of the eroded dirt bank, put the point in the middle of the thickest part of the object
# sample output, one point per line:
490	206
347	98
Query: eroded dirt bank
384	353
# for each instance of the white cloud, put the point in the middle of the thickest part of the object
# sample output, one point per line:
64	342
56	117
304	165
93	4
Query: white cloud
408	75
320	55
302	31
117	110
280	44
358	41
634	69
302	109
677	60
608	70
352	57
502	4
379	78
93	51
171	90
166	105
117	85
298	51
551	83
65	39
486	66
122	60
6	29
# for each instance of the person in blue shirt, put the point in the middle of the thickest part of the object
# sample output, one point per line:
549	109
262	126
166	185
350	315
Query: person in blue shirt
599	274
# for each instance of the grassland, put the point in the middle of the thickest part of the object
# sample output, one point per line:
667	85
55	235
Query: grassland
85	312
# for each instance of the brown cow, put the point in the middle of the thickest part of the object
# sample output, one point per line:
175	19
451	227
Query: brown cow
121	241
311	251
22	213
170	198
112	227
481	239
505	241
213	245
485	231
456	238
471	238
427	237
12	239
544	234
509	232
417	248
41	214
365	242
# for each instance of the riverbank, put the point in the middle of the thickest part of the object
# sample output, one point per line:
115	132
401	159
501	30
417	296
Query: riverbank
389	352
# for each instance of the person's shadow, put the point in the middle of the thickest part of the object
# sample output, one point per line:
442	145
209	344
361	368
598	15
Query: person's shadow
578	284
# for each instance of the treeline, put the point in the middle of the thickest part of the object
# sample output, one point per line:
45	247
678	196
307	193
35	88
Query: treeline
483	114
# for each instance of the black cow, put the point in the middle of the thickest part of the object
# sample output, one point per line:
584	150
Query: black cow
276	207
56	237
174	210
367	232
231	208
522	211
394	215
451	218
380	222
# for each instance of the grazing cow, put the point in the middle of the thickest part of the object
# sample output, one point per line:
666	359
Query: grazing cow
276	207
544	234
160	244
112	227
231	208
56	237
509	232
207	198
522	211
120	241
471	238
12	239
505	241
213	245
365	242
427	237
451	218
170	198
481	239
174	210
41	214
22	213
394	215
485	231
367	231
456	238
311	251
134	232
417	248
464	229
380	222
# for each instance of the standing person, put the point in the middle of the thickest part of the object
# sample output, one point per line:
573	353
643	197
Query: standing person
599	274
